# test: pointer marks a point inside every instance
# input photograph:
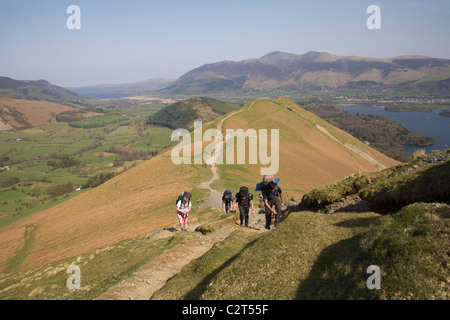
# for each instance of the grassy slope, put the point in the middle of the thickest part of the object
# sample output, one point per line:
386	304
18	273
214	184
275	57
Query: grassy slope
272	267
315	256
134	203
326	256
30	155
308	157
140	201
21	113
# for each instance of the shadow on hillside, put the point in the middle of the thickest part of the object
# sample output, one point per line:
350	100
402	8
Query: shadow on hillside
358	207
196	293
339	273
336	274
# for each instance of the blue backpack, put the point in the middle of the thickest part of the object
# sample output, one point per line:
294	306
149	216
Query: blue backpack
261	184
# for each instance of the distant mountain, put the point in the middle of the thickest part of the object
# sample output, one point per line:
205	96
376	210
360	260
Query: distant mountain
182	114
36	90
105	91
313	70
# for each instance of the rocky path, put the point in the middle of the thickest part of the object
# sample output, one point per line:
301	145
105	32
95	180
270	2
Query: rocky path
215	198
142	284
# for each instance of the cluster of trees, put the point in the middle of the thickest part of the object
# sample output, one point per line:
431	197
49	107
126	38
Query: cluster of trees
59	162
8	181
177	115
183	113
97	180
127	154
92	146
384	134
4	161
60	189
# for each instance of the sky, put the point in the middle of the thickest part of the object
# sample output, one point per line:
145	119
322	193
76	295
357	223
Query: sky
134	40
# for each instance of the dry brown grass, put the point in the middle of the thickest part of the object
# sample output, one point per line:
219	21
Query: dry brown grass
141	200
36	113
132	204
308	157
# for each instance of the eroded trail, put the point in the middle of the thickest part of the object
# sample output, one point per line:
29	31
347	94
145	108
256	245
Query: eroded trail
354	149
142	284
150	278
215	198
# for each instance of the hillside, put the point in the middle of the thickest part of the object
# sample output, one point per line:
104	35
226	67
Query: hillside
22	113
37	90
314	71
140	202
29	103
326	256
182	114
312	152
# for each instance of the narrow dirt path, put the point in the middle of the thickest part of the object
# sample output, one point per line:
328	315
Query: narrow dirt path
354	149
142	284
215	198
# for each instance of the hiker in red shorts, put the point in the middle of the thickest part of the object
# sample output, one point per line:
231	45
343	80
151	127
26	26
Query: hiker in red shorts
183	209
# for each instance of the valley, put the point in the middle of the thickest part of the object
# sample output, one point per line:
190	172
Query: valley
51	163
91	183
123	233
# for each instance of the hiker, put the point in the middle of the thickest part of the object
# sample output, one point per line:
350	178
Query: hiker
273	196
244	199
228	201
183	208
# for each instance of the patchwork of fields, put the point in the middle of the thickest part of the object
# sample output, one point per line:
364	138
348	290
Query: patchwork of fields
45	165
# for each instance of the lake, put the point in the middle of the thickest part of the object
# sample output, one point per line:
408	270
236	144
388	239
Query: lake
424	123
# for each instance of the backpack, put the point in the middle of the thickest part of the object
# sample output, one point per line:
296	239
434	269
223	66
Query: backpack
227	192
184	194
243	196
266	180
243	190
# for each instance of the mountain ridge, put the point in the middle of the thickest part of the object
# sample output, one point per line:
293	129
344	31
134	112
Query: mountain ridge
322	70
41	90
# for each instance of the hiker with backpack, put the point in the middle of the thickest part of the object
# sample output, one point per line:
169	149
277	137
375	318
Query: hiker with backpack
228	201
244	199
183	208
272	196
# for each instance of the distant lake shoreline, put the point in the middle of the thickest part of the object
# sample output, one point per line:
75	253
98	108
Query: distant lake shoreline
422	122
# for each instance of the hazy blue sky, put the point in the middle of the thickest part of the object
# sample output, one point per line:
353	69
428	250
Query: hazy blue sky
125	41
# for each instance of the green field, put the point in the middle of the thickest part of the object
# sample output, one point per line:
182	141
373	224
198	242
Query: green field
31	183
